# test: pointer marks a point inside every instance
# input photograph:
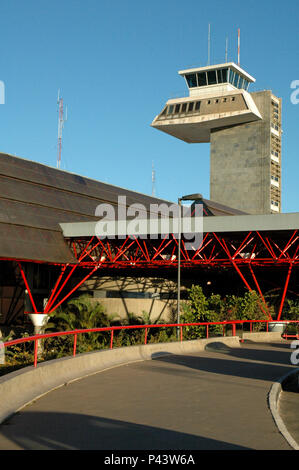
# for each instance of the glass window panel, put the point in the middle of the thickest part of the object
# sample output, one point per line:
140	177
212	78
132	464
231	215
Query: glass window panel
190	107
236	80
219	76
212	77
170	109
197	106
184	107
231	76
191	80
177	108
224	73
202	79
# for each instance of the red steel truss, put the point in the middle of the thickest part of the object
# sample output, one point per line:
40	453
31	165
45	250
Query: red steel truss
242	252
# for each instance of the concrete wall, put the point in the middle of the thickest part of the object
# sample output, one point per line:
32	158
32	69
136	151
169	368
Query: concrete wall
240	162
123	295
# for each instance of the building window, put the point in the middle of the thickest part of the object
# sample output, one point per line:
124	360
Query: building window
274	203
177	108
231	76
212	80
236	79
191	80
202	79
190	108
184	107
222	75
197	106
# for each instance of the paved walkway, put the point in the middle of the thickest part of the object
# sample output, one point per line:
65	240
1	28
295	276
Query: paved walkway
216	399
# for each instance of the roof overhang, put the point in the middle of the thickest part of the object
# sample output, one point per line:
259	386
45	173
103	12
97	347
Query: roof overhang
232	65
219	224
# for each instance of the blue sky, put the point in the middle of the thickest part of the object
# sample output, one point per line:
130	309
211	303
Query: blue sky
116	64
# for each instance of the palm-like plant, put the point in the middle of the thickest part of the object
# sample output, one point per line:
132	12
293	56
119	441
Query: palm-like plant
80	313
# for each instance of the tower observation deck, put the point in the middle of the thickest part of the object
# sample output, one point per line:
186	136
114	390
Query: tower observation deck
244	130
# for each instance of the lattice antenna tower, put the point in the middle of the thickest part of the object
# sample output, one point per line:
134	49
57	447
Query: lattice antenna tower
61	120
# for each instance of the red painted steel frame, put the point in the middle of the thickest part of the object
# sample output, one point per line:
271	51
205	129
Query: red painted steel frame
240	252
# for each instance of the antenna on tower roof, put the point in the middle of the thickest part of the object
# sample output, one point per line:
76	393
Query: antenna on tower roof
61	121
226	49
239	46
209	44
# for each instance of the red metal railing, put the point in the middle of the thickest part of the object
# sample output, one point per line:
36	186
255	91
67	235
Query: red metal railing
179	326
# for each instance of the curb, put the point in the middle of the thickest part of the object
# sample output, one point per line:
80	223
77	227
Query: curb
273	401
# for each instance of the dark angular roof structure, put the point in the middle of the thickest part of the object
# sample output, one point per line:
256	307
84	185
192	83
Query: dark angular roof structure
36	198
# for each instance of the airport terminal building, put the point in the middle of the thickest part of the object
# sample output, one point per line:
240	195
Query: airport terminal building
50	249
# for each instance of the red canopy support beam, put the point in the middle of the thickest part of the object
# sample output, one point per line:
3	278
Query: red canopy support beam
28	288
73	290
56	294
260	292
284	291
55	287
223	244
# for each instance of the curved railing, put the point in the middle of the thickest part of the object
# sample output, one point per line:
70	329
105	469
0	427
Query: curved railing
112	329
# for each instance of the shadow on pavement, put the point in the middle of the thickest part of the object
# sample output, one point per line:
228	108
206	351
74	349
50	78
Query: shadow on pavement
67	431
278	353
257	363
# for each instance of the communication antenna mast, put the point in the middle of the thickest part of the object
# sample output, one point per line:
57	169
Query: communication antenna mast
239	46
61	121
153	180
209	44
226	49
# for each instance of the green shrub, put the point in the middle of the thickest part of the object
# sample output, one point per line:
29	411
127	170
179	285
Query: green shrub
199	308
80	313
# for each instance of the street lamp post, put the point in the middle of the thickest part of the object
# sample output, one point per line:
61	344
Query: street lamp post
189	197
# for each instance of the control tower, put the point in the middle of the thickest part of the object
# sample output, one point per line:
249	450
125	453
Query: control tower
243	128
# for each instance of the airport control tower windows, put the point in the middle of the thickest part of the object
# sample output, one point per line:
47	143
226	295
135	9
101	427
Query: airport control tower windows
202	79
212	80
217	76
222	75
191	80
236	80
